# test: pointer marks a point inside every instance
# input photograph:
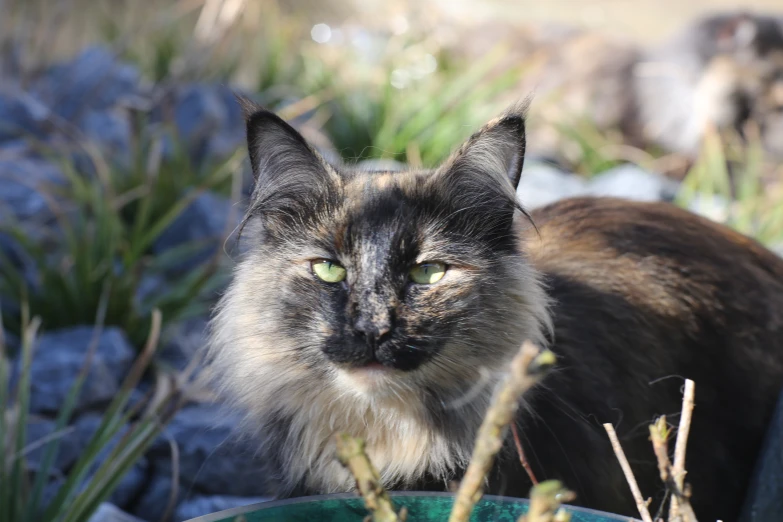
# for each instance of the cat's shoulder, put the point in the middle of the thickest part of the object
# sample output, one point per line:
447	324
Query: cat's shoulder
580	235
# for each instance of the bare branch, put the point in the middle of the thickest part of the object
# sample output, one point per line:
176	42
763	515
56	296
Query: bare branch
351	454
659	434
641	505
527	367
545	500
522	457
678	470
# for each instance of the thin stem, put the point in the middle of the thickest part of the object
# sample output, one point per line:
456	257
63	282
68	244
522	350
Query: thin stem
351	454
678	469
522	457
641	505
527	368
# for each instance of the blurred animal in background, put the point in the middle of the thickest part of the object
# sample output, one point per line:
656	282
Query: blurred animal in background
721	71
724	71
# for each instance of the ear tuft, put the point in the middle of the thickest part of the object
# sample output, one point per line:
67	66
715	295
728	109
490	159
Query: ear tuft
248	106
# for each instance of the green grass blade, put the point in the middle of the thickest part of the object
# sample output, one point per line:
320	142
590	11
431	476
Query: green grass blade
111	423
66	411
6	490
112	471
21	407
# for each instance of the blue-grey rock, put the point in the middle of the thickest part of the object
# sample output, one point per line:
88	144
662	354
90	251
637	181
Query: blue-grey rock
39	431
12	342
28	185
22	116
20	260
52	489
131	484
203	222
206	120
94	80
24	180
107	512
542	184
199	111
59	358
183	342
151	285
213	460
200	506
232	130
235	119
634	183
111	131
199	115
153	501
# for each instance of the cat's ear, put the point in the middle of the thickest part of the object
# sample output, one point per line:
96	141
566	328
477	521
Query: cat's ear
496	152
274	146
484	172
287	170
736	32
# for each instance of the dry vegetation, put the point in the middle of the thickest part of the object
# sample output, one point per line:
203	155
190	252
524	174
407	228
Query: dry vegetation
546	498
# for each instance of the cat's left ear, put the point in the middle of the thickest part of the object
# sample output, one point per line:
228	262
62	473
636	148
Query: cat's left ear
496	151
291	178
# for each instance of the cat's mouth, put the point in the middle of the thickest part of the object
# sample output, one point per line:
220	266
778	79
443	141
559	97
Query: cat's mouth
372	367
371	379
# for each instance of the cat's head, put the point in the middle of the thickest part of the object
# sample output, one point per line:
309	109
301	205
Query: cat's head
379	282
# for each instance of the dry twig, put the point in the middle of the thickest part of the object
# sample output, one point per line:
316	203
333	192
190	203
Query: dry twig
659	433
641	505
545	500
527	367
678	470
351	454
522	457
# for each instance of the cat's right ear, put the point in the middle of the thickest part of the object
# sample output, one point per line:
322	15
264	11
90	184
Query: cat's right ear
289	174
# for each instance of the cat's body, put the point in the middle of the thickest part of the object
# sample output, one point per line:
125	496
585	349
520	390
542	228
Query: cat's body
632	297
646	295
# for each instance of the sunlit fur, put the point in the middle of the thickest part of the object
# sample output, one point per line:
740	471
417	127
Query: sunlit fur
282	342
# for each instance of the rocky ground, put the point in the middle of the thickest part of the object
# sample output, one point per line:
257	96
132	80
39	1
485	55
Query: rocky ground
94	98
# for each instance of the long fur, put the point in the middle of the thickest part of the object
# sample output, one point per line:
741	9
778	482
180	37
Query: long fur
277	372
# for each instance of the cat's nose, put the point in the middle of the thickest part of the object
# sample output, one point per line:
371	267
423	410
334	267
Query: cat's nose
375	331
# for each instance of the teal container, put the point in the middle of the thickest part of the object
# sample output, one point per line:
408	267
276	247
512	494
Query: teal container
422	507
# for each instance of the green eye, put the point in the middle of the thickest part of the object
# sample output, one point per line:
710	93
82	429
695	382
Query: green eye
328	271
428	273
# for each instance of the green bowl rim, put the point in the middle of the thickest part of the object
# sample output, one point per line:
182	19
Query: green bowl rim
220	515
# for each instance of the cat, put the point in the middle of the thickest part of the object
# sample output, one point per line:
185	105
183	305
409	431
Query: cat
388	304
721	70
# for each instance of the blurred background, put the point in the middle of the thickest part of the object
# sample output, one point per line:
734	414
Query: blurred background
123	177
